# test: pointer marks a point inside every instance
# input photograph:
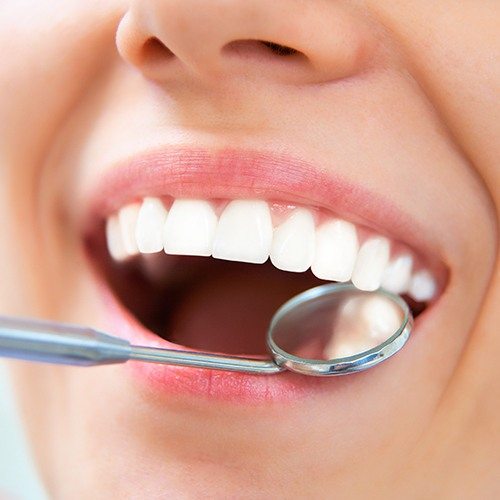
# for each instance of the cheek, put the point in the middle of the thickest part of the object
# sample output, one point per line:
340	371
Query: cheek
38	395
40	77
464	89
50	56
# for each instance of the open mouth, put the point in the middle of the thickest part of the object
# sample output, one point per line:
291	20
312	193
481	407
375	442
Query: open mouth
208	272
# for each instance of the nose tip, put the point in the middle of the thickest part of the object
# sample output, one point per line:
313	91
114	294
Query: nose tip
289	41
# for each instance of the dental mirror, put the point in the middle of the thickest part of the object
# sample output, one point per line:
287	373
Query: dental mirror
332	329
336	329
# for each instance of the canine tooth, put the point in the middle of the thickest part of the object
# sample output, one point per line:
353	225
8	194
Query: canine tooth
114	239
372	259
127	216
150	224
397	274
293	242
336	250
422	286
190	228
244	232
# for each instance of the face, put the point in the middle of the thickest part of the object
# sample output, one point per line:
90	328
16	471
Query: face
354	138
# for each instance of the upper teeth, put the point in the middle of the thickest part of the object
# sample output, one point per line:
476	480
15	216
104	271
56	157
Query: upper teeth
294	242
336	250
244	232
190	228
150	224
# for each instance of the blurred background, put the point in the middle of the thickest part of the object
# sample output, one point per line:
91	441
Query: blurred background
18	478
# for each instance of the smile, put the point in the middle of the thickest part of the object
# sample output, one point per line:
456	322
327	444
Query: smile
196	250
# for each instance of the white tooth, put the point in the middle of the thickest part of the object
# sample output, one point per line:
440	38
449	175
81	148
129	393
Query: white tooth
336	250
422	286
293	242
397	274
150	225
244	232
127	216
190	228
114	239
372	259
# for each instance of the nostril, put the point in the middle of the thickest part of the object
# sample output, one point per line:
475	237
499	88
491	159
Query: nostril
154	51
280	50
262	48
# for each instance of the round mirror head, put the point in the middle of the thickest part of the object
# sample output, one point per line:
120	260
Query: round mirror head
336	329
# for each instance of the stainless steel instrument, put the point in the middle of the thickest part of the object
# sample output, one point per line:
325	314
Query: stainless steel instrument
333	329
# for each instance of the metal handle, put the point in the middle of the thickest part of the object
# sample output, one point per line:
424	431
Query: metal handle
48	342
203	360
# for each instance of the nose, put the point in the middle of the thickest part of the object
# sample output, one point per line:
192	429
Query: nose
288	41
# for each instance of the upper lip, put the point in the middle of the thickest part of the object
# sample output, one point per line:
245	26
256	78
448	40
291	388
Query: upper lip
241	173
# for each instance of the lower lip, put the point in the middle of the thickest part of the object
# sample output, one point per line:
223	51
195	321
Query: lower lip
215	385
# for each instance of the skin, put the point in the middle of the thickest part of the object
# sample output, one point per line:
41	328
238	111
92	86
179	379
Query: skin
404	96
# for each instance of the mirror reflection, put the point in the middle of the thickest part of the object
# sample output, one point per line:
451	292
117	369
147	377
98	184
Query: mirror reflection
335	327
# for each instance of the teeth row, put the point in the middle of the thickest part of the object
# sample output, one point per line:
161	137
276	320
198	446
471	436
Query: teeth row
244	232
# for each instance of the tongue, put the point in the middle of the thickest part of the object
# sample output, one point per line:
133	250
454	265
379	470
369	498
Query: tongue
229	309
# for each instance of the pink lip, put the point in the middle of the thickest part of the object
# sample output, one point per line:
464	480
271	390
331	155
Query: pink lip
230	174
